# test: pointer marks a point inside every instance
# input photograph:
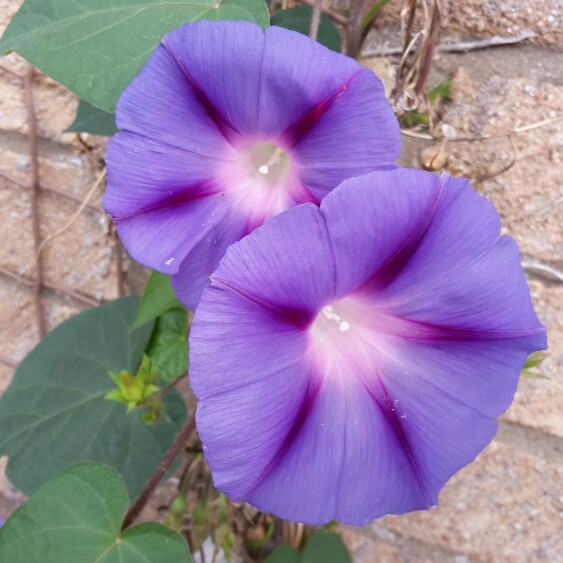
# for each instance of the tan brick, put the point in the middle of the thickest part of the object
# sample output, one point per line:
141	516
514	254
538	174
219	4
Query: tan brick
6	373
18	332
13	114
367	550
80	257
526	193
16	250
484	18
539	402
59	308
10	499
506	506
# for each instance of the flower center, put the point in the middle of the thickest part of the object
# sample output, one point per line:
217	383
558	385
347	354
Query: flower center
269	163
261	180
352	335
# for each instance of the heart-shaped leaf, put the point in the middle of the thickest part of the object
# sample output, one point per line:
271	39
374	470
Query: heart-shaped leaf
168	347
54	413
321	547
299	19
76	517
96	47
325	547
158	297
90	119
284	554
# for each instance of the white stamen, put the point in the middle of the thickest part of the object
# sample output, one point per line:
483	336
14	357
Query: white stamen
276	156
264	169
329	313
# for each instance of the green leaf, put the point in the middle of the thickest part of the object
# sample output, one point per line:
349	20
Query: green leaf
76	517
158	297
54	413
533	361
96	47
90	119
413	118
325	547
443	90
284	554
321	547
299	19
168	347
373	13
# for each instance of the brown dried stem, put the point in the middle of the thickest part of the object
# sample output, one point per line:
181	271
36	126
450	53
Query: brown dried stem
34	158
86	299
354	31
163	467
315	20
335	16
46	188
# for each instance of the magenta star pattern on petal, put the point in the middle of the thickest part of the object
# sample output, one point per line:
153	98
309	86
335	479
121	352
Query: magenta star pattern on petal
228	125
349	359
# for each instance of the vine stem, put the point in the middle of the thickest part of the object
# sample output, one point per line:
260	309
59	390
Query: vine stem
165	390
315	20
163	467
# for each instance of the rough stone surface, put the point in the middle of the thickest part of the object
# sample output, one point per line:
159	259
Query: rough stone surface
527	193
539	402
507	506
485	18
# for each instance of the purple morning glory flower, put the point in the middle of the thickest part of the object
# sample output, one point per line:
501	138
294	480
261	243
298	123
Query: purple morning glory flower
228	125
349	359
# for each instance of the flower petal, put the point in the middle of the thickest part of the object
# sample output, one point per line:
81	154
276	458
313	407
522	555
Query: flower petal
356	134
386	207
456	270
294	289
353	407
213	101
344	463
166	218
276	363
193	274
159	177
161	105
223	63
448	397
308	80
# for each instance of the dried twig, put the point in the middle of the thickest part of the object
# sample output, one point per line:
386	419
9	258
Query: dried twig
491	175
44	187
354	30
163	467
8	362
86	299
315	20
548	208
12	71
165	390
515	131
461	47
118	249
74	218
540	268
34	159
494	41
335	16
